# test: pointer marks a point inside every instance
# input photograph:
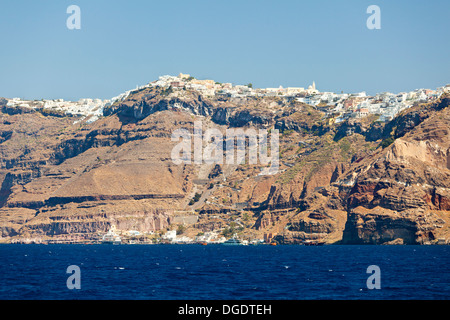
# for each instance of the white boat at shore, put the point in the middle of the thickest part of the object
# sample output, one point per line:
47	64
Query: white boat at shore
232	242
111	237
235	242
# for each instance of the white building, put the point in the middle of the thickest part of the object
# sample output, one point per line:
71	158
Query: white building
294	90
312	89
170	235
133	233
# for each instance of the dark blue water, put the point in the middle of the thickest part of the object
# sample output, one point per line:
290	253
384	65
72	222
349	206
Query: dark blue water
167	272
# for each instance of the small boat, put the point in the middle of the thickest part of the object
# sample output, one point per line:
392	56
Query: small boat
203	243
273	243
313	243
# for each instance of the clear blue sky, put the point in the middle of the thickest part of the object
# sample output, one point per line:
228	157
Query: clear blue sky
122	44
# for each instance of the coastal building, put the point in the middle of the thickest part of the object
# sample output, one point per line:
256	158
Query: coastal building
362	112
313	101
361	94
374	108
275	90
182	239
133	233
177	84
243	89
184	76
170	235
312	89
209	84
294	90
195	86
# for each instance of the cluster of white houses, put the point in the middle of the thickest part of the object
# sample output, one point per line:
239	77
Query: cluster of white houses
386	105
338	106
212	88
92	108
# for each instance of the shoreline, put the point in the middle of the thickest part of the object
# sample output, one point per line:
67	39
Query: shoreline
220	244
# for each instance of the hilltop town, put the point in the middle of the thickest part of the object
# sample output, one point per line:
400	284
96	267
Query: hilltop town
336	106
341	106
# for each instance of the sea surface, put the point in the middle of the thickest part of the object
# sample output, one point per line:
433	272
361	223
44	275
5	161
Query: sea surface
217	272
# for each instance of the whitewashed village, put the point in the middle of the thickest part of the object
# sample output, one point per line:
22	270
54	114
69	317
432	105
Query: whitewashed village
337	106
116	236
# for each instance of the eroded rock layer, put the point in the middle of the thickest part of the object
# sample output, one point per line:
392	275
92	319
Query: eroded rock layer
380	183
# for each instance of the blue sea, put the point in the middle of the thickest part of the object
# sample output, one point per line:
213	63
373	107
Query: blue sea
217	272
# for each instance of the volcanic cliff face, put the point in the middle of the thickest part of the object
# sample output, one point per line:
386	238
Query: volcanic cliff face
403	191
63	177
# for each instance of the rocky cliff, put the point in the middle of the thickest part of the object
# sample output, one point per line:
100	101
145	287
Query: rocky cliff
62	176
403	190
